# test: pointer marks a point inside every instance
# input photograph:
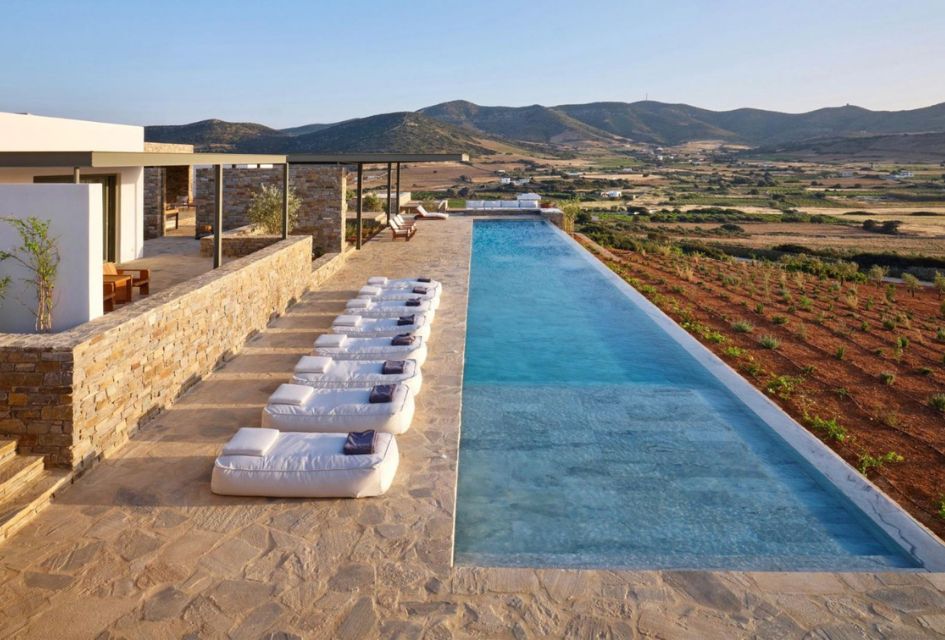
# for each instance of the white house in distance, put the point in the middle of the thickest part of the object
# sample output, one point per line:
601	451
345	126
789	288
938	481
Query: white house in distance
612	194
103	212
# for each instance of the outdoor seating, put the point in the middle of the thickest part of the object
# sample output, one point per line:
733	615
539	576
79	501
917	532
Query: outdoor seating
140	278
108	297
398	231
122	285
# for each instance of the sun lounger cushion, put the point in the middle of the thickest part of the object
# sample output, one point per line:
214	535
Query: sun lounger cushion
337	410
331	340
347	320
291	394
313	364
370	308
308	465
358	374
379	327
370	349
438	215
251	442
400	283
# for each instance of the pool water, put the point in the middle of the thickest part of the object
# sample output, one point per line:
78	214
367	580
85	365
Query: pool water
591	438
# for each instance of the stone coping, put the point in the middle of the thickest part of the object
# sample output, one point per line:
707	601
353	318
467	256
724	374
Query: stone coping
72	337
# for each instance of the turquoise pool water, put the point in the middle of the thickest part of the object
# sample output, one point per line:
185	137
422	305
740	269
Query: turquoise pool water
591	438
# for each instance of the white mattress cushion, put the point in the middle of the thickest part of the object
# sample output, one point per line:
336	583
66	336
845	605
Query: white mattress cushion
313	364
294	395
359	303
309	465
251	441
346	320
379	281
331	340
336	410
369	291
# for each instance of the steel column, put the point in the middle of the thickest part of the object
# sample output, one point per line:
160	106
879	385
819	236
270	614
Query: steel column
218	215
285	201
388	194
360	208
398	188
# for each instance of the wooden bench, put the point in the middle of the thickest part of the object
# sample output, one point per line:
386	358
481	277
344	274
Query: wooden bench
170	213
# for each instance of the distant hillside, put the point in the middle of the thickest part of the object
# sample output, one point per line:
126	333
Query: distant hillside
461	125
525	124
901	147
212	135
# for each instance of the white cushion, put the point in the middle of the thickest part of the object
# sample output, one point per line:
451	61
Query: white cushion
313	364
379	281
337	410
374	349
250	441
369	290
345	320
295	395
359	303
331	340
309	465
361	374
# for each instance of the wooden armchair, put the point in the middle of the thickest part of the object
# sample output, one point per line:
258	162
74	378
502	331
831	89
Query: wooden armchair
108	297
140	278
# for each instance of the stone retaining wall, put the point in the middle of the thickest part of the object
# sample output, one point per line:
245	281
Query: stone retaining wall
321	190
238	243
76	396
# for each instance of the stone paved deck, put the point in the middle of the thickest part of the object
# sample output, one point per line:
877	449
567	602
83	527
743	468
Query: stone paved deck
140	548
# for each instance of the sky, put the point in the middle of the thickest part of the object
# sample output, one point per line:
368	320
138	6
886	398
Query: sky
288	63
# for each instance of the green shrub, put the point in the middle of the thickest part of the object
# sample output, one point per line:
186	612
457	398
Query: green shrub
769	342
869	462
840	353
888	377
742	326
937	402
779	320
265	209
831	428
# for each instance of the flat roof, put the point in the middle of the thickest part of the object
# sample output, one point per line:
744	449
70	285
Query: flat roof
112	159
374	158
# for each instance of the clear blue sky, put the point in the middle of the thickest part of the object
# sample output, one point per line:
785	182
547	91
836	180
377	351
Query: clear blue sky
291	63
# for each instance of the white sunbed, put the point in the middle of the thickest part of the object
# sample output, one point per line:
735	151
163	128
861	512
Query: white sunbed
342	347
370	308
358	327
296	407
438	215
266	462
403	283
379	294
328	373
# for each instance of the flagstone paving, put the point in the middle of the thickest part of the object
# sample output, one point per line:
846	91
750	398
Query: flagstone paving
140	548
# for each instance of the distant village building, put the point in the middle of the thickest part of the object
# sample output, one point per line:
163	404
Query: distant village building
521	181
528	197
612	194
505	180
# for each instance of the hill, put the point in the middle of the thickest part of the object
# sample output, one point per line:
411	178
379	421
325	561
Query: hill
212	135
898	147
463	125
535	123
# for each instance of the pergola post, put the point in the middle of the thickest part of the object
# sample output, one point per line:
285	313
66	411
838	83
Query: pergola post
398	188
76	175
162	201
285	201
218	216
388	194
360	208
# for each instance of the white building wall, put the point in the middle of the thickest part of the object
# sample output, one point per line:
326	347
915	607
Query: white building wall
24	132
75	215
130	201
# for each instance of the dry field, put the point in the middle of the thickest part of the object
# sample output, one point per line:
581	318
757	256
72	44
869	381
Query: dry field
924	239
860	366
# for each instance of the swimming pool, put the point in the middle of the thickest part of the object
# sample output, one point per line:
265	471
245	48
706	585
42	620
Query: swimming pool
592	438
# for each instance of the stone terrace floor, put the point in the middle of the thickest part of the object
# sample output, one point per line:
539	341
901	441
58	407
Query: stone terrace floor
140	548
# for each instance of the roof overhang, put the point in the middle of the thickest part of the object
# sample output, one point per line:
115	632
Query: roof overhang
114	159
374	158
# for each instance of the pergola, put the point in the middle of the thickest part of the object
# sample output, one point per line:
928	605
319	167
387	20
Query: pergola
80	160
360	159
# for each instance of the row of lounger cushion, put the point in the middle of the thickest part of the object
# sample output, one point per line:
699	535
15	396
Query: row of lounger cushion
299	450
357	326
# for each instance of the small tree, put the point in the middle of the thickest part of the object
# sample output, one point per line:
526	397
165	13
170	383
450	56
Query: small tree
39	255
940	283
265	210
911	282
371	202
